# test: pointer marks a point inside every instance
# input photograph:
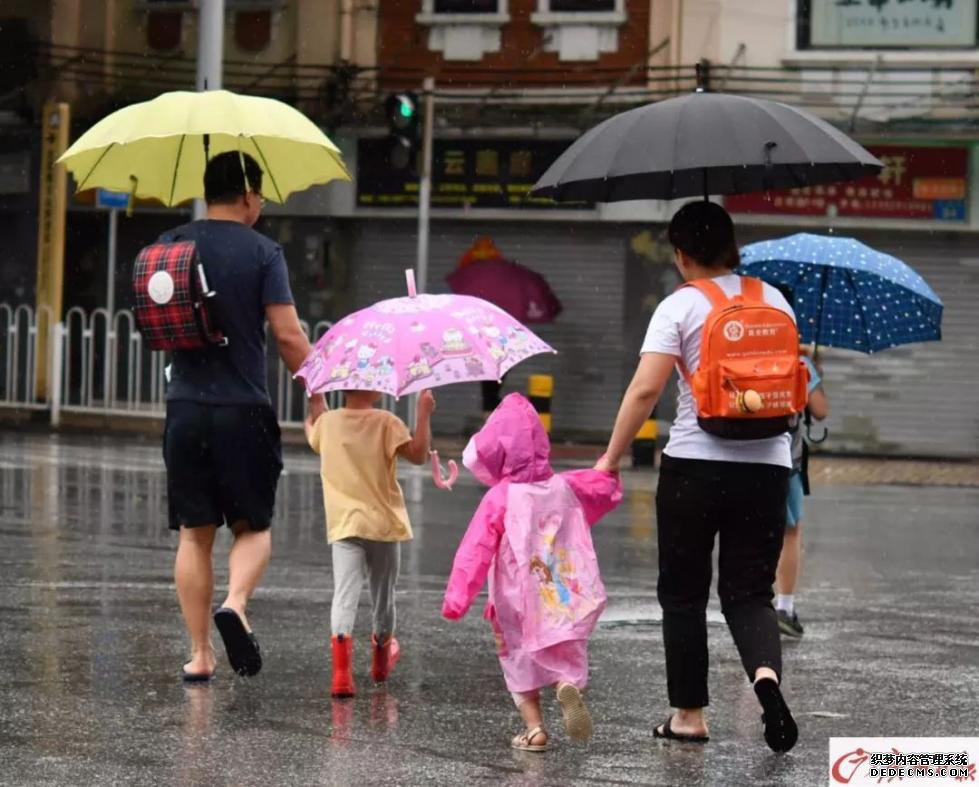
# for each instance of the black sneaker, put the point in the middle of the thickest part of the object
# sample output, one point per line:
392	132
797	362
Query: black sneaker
789	625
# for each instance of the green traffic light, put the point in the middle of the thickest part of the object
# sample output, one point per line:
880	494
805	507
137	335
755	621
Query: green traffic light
402	111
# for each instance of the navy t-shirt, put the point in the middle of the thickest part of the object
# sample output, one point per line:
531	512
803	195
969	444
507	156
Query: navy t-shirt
248	272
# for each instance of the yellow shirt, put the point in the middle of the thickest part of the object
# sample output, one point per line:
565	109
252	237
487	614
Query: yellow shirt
361	494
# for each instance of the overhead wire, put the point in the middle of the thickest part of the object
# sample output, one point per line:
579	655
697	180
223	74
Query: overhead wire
140	75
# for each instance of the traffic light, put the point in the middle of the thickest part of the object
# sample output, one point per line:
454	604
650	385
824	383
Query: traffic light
401	111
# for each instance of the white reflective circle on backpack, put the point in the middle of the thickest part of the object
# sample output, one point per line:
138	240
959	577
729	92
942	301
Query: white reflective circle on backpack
160	287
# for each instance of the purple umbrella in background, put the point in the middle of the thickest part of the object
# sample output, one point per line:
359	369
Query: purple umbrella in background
524	294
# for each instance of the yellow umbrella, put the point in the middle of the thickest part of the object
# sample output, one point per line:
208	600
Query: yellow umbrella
156	149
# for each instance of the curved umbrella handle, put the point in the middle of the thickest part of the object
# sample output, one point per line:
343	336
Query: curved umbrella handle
808	419
440	480
816	440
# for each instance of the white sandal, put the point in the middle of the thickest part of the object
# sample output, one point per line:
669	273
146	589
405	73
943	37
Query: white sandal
523	740
577	719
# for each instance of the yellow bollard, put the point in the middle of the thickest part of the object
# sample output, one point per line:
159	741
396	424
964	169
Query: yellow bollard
644	444
540	389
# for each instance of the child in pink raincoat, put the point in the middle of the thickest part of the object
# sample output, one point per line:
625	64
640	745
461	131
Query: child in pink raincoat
546	595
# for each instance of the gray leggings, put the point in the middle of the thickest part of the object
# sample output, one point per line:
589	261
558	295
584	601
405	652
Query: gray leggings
355	559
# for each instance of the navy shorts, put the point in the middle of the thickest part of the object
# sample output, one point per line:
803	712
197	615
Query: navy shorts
223	464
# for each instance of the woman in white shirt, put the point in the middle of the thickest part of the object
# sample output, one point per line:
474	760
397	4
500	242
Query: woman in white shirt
709	486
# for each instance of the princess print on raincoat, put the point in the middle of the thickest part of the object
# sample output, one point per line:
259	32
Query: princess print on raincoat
531	536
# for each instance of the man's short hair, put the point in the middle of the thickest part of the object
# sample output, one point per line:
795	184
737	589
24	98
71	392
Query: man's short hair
224	178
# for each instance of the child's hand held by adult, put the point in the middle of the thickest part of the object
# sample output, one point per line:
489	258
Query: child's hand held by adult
606	465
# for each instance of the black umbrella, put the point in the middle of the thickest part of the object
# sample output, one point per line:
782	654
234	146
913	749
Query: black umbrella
700	144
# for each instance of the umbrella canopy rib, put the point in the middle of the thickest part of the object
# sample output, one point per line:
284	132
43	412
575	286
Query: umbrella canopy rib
863	308
176	169
268	169
95	166
617	167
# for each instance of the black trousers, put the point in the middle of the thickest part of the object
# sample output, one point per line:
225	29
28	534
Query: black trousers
743	504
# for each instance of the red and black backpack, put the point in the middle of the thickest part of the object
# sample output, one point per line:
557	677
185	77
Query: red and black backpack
171	296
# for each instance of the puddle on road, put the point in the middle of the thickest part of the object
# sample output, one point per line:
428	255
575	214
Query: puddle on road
643	616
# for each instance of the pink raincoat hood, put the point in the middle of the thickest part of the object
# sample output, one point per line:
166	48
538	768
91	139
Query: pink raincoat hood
511	446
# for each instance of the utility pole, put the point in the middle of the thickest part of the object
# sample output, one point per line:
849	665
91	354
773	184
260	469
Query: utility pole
425	184
424	204
210	59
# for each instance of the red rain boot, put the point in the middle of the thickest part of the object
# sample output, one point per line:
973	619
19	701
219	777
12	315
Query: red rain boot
384	658
343	677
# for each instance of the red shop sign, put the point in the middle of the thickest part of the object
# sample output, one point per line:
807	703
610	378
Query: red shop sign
916	183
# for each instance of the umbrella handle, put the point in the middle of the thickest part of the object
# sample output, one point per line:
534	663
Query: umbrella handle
808	420
440	480
815	440
131	201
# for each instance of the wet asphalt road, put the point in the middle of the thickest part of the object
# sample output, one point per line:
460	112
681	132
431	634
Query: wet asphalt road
91	642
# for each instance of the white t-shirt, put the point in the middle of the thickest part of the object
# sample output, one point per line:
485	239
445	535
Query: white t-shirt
676	329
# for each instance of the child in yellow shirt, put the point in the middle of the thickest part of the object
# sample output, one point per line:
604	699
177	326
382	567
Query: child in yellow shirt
366	517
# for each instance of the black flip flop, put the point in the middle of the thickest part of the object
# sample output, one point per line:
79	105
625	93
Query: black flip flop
668	735
196	677
781	731
241	645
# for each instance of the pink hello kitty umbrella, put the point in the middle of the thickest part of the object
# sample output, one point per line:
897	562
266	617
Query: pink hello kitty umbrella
404	345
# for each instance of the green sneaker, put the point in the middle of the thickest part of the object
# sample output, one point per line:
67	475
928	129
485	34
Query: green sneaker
789	625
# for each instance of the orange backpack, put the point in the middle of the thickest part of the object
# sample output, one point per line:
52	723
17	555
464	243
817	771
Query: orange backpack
751	382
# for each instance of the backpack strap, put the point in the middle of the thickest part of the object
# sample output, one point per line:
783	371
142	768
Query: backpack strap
170	236
718	300
712	290
752	289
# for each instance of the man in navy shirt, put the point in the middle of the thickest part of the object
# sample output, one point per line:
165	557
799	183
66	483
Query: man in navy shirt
222	443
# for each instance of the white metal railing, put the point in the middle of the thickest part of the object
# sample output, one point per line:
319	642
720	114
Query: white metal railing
105	367
22	333
97	363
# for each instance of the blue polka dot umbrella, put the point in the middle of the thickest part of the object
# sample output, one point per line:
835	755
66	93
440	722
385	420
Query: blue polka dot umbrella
847	294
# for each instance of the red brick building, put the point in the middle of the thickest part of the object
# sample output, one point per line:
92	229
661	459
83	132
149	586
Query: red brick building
523	43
